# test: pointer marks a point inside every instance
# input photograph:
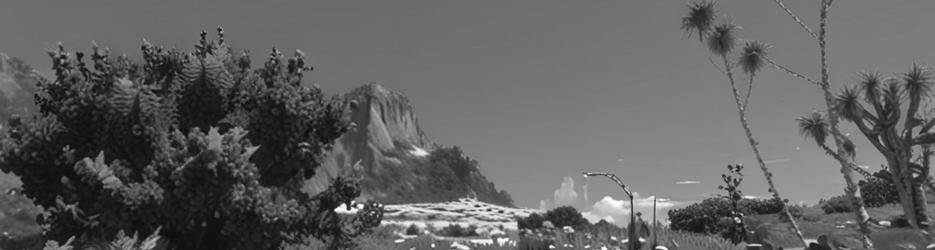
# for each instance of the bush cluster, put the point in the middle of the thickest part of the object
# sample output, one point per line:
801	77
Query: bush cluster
456	230
836	204
878	191
707	216
196	143
559	217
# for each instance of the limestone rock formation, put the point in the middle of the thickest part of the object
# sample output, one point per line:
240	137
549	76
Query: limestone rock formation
395	158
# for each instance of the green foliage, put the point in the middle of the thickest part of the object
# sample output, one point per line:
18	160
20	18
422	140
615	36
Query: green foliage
446	174
121	145
567	216
533	221
559	217
878	191
736	231
709	215
413	230
455	230
454	159
836	204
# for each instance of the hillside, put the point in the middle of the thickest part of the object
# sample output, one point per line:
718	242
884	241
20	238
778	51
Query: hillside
398	162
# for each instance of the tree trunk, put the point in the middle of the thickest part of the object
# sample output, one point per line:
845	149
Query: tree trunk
897	168
756	151
918	202
853	191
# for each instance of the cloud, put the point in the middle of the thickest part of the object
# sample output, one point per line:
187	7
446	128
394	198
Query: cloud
594	218
772	161
620	160
566	195
687	182
619	210
544	205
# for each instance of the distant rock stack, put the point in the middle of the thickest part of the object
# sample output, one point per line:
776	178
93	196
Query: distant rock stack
391	150
17	86
384	121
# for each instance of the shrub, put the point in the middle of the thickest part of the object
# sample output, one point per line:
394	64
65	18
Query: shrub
877	191
559	217
533	221
836	204
413	230
567	216
455	230
899	221
702	217
761	206
120	145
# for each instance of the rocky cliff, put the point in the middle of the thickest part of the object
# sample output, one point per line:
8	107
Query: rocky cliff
17	85
397	161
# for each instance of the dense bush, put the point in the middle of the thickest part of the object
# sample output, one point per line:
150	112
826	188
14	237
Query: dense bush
121	145
533	221
559	217
836	204
899	221
455	230
702	217
446	174
878	191
706	216
413	230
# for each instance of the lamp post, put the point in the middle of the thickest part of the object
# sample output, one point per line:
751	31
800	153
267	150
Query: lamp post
654	222
632	234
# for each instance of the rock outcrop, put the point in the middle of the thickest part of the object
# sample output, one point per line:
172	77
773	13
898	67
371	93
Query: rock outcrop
17	85
395	157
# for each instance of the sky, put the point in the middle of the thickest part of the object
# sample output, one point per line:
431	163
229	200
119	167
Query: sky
541	90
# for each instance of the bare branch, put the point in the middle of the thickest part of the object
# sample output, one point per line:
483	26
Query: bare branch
715	65
791	72
796	18
926	138
746	100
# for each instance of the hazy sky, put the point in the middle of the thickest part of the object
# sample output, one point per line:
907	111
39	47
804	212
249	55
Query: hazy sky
539	90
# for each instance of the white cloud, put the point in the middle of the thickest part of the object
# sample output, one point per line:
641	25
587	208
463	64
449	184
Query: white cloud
544	205
687	182
620	160
772	161
619	210
594	218
566	195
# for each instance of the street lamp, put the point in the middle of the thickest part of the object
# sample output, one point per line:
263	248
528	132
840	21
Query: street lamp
633	238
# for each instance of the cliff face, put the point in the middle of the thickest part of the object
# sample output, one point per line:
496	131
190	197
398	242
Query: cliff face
17	85
396	159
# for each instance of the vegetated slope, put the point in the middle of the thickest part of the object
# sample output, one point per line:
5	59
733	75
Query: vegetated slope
397	161
464	212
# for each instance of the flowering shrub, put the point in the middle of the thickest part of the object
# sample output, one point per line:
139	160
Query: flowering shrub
197	143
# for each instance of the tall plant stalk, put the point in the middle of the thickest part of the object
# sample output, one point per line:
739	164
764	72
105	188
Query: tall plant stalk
741	113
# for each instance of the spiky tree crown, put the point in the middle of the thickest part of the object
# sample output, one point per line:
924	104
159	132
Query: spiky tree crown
132	146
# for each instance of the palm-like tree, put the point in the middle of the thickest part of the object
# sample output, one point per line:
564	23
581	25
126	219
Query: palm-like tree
875	105
813	126
700	18
721	41
752	59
